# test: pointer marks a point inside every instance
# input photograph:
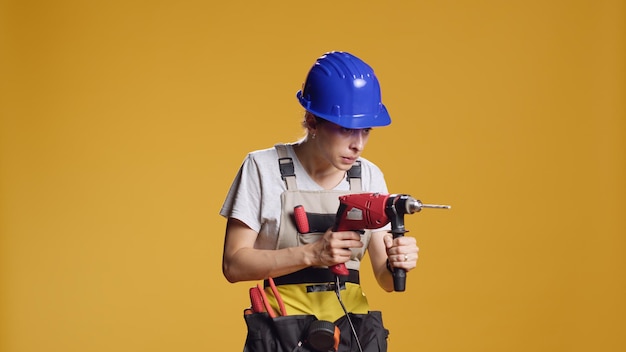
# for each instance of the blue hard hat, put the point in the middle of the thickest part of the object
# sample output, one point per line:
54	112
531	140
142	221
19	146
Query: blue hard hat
343	89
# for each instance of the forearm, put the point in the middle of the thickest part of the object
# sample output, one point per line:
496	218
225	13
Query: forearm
243	262
387	254
378	258
248	264
384	277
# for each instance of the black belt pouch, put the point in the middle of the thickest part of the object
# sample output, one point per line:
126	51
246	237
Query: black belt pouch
289	333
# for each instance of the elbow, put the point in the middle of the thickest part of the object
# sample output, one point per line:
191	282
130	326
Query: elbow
231	278
229	273
237	268
385	286
384	281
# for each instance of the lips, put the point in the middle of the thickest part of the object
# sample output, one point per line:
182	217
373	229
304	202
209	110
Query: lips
348	160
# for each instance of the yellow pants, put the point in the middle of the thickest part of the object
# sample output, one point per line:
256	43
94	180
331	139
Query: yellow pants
323	304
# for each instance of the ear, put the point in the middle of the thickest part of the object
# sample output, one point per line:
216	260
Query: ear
310	122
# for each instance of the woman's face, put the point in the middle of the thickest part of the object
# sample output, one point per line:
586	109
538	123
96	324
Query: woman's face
341	146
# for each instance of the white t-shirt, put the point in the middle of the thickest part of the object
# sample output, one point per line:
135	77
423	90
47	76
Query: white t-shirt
254	196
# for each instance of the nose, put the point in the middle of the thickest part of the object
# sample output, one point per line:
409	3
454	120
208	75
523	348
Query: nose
358	140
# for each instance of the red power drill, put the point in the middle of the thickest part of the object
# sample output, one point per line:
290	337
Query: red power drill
360	211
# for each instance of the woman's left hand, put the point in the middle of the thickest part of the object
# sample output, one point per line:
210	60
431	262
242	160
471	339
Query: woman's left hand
401	251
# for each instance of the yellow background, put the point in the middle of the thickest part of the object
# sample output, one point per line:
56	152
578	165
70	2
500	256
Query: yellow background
124	122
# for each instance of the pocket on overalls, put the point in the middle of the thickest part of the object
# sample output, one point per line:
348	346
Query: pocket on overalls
306	238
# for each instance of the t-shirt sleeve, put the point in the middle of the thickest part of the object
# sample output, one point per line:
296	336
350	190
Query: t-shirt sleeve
243	198
373	178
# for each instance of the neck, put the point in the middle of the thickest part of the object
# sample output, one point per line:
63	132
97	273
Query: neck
318	168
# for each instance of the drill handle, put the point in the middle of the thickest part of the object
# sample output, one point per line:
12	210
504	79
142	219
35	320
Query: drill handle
339	269
399	274
399	280
396	208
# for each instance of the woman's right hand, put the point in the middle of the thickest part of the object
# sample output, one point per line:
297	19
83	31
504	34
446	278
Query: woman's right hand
334	247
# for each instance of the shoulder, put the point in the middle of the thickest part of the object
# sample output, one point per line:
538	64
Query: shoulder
372	177
261	159
262	162
263	155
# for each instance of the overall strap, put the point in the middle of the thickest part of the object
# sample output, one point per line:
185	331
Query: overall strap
354	177
287	171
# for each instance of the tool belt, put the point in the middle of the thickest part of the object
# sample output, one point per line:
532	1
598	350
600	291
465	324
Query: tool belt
278	332
290	333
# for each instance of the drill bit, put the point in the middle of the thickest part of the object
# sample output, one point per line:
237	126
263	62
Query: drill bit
413	205
436	206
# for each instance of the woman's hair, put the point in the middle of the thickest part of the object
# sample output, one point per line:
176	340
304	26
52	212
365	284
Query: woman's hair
318	120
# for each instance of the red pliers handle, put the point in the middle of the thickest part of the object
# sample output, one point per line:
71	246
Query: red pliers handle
260	303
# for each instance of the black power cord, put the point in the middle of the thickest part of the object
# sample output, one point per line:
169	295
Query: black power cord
337	289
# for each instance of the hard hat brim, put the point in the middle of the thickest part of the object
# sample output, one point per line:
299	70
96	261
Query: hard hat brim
380	119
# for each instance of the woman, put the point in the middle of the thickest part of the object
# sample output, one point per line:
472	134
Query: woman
342	102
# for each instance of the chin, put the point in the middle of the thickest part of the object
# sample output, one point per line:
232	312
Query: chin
344	166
